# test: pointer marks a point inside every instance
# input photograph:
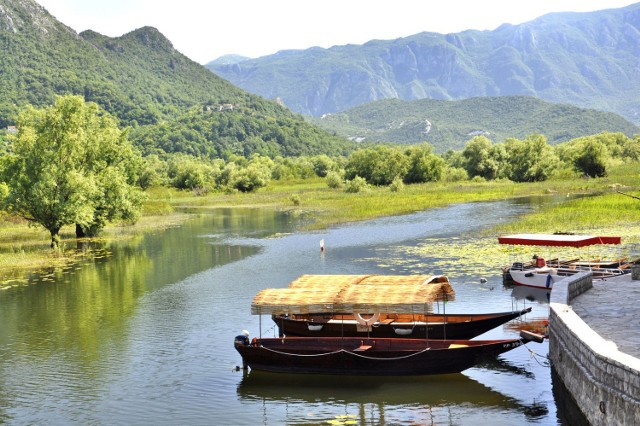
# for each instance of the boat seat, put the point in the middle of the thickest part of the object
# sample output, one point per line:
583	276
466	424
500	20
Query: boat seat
388	321
362	348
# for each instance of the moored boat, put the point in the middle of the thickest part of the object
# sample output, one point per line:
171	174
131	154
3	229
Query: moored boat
366	296
541	273
385	324
432	326
373	357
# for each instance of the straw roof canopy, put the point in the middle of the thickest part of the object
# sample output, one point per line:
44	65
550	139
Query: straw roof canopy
354	293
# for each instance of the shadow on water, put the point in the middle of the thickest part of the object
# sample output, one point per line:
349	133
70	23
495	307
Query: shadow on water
568	412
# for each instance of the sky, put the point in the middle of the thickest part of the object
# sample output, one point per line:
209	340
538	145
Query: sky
204	30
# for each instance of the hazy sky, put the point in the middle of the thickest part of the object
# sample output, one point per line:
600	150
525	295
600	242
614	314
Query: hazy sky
207	29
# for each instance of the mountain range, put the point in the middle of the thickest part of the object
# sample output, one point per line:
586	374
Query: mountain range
585	59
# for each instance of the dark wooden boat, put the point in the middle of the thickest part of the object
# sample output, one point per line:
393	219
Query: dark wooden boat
355	355
369	357
431	326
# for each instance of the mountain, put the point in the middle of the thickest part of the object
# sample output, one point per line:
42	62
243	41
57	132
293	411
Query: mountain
227	60
172	103
450	124
585	59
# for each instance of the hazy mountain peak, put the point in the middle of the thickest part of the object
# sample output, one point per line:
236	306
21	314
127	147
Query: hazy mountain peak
228	60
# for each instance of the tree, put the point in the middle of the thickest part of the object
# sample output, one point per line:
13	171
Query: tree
70	164
424	165
480	158
378	166
530	160
590	155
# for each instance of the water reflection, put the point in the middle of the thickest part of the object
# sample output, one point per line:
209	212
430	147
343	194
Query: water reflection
304	399
532	294
144	333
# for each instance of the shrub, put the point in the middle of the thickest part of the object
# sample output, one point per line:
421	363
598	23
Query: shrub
355	185
397	185
334	180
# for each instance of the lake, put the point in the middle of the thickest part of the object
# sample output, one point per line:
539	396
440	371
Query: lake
143	334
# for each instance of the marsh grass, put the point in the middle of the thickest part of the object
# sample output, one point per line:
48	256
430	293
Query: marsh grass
602	210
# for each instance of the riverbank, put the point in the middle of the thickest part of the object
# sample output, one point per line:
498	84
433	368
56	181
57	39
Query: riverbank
24	250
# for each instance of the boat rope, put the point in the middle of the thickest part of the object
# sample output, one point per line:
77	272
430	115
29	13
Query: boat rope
535	356
349	352
301	355
391	358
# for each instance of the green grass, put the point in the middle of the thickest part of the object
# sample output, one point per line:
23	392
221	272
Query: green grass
24	249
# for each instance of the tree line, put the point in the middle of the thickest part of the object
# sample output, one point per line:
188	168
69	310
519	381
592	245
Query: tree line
71	164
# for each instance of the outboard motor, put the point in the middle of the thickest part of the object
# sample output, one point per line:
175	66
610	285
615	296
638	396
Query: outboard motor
242	339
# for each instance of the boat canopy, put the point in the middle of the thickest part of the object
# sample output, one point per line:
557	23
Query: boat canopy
354	293
557	240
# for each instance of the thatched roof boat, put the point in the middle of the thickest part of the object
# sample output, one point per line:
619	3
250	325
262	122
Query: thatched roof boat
362	294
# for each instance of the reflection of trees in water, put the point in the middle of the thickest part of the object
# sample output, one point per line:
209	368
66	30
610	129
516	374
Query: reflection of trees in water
77	307
379	400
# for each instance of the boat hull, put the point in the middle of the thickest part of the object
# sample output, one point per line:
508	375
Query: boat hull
546	279
455	326
370	357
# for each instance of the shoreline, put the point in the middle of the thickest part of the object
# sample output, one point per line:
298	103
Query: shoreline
25	250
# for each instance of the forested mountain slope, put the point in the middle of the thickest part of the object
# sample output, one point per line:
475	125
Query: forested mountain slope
172	103
450	124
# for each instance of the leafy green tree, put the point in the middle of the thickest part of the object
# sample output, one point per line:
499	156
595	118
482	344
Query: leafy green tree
153	172
530	160
322	164
187	172
479	156
70	164
424	165
591	158
378	166
631	149
355	185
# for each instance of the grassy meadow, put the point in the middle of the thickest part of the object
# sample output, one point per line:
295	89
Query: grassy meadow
25	249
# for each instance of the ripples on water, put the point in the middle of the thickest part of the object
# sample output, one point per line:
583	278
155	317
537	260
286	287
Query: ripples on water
151	341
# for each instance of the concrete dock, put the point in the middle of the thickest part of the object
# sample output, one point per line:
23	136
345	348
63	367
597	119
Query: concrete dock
612	309
594	346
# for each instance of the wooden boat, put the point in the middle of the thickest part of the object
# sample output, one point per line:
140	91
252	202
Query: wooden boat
362	356
433	326
371	357
541	273
440	326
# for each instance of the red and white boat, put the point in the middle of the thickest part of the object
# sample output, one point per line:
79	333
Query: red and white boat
541	273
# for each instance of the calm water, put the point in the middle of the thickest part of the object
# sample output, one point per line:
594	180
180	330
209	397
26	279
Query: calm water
145	336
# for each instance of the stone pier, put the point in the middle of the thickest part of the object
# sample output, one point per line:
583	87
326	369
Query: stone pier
594	346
